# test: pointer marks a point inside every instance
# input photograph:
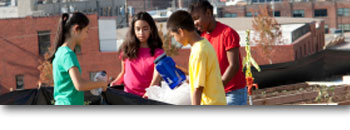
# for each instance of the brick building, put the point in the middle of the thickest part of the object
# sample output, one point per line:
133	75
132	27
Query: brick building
146	5
24	40
335	13
301	37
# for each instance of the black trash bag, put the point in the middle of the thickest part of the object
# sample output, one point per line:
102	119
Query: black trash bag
19	97
44	96
118	97
41	96
316	67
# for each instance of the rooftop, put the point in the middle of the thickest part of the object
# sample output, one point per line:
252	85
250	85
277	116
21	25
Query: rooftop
240	24
243	23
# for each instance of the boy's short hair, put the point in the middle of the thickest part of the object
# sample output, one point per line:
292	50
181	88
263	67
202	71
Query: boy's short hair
203	5
180	19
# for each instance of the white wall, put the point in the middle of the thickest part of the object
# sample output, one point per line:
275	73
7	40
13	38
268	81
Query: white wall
8	12
25	7
286	29
107	35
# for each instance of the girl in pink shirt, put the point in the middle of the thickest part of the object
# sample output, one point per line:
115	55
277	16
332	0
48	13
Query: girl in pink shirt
141	47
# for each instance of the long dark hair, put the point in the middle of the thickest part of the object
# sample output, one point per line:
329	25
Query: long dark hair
131	45
63	30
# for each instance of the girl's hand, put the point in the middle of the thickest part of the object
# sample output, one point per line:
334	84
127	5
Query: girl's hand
112	83
145	96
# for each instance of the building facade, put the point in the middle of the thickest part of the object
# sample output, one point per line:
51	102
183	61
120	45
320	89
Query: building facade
335	13
300	38
309	39
23	41
36	8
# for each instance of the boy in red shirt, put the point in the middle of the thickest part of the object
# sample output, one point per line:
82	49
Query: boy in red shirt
225	41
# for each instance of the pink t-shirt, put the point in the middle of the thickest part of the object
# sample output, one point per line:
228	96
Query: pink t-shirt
139	71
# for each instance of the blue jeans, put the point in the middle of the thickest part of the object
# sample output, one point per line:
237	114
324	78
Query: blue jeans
237	97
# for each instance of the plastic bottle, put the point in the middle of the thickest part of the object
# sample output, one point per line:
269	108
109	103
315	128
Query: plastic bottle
165	65
100	76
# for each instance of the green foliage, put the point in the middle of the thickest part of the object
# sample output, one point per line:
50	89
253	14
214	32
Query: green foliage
324	94
87	102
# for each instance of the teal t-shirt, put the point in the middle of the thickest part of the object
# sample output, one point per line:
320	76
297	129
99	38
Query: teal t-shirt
64	90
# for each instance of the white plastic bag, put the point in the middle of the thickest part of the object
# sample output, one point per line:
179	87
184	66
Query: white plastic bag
178	96
100	76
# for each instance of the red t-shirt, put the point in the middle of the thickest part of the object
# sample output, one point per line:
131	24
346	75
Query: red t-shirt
224	38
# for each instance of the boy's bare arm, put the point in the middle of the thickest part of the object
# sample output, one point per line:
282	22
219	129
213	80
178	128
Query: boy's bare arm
233	67
197	96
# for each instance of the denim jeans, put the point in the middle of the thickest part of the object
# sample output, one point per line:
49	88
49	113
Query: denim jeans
237	97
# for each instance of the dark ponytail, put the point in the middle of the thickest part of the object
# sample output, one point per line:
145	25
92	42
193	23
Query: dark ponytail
63	30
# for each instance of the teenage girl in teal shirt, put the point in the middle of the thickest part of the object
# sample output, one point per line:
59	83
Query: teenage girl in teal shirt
68	83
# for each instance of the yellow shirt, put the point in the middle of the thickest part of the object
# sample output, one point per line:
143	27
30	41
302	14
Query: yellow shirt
204	71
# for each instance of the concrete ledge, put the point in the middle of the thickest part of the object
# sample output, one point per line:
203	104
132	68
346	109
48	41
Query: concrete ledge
301	96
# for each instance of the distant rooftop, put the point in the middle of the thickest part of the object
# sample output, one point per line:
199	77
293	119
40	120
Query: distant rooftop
240	24
244	23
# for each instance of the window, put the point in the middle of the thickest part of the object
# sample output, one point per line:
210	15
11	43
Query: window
163	13
19	81
326	28
345	27
277	13
230	15
343	12
320	12
265	1
298	13
249	14
44	41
